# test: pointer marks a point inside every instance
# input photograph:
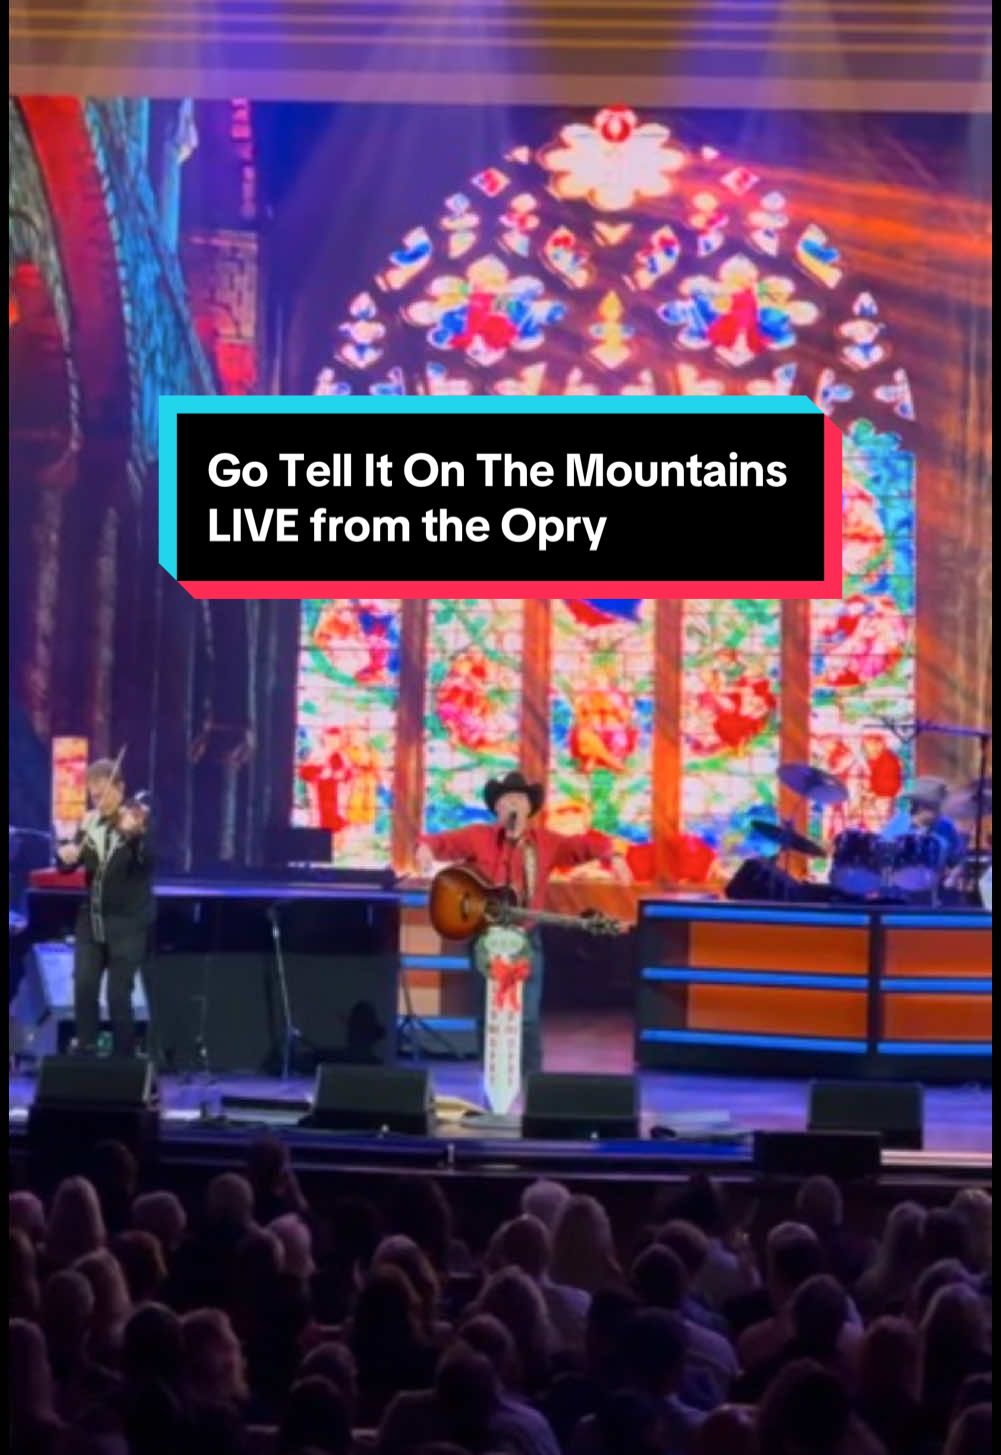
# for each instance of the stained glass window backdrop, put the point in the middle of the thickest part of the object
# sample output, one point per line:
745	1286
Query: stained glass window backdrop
474	680
601	718
730	697
348	684
862	647
618	256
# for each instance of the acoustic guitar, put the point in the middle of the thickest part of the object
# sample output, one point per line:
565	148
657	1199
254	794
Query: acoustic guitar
463	904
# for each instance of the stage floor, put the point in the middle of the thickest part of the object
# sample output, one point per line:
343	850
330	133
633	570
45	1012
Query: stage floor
697	1109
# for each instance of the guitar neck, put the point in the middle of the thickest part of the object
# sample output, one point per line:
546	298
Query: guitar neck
545	917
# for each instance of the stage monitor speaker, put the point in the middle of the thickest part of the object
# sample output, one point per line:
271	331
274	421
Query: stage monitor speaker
299	847
841	1155
371	1098
81	1100
572	1107
43	1006
893	1110
121	1081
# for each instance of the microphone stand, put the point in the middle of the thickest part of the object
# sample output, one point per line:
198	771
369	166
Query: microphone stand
291	1033
978	832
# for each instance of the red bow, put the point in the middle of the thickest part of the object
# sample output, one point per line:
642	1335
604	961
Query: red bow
508	976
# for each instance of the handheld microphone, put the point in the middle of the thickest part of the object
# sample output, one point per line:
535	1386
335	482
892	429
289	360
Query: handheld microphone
511	823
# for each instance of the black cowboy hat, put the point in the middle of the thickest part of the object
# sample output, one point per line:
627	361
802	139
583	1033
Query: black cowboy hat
513	783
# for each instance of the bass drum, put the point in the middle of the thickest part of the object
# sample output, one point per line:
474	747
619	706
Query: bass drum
857	864
917	863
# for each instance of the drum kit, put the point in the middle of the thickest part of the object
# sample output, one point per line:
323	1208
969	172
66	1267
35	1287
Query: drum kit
912	867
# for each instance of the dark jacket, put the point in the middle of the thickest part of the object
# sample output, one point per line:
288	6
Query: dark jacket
123	889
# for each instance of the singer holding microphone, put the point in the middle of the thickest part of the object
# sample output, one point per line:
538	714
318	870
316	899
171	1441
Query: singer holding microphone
113	926
518	853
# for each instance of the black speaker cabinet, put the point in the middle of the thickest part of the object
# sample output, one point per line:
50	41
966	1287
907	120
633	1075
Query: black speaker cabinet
894	1110
841	1155
223	1010
125	1082
571	1107
82	1100
371	1098
762	879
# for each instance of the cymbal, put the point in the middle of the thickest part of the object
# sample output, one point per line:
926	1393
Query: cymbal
787	839
813	784
967	803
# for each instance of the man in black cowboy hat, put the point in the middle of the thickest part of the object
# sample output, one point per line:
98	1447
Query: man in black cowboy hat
518	852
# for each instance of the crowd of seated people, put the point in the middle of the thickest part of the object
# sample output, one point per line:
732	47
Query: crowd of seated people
251	1324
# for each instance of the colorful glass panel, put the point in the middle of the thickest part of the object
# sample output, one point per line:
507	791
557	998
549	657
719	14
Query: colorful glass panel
473	705
862	647
730	721
349	675
601	718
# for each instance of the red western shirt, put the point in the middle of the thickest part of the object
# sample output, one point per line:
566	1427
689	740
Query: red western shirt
486	847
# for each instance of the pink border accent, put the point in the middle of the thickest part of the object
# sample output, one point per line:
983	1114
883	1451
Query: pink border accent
511	590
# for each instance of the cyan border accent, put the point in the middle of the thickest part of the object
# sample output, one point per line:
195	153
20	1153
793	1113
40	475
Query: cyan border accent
235	405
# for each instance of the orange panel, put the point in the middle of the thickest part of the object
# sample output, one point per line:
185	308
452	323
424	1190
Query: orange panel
815	948
938	952
777	1012
425	1000
937	1017
423	978
420	939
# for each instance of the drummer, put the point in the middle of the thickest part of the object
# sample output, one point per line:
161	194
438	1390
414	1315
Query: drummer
922	814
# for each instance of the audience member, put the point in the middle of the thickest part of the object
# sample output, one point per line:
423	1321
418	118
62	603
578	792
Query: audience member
115	1175
525	1243
27	1216
584	1253
112	1304
792	1255
34	1426
889	1385
659	1280
163	1215
976	1209
512	1298
76	1223
273	1181
386	1334
807	1411
23	1298
273	1325
315	1419
820	1207
954	1345
142	1261
545	1200
886	1286
728	1272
